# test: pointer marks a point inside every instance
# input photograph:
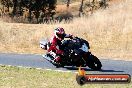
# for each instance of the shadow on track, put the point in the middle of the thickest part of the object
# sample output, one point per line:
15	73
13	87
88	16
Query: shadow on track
88	69
109	71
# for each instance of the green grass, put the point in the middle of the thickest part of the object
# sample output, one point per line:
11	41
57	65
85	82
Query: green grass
15	77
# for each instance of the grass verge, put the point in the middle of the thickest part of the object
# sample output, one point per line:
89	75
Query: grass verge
15	77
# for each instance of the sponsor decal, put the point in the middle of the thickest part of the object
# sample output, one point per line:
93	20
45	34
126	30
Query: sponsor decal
83	78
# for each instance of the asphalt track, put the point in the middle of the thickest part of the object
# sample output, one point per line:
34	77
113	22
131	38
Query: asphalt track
37	61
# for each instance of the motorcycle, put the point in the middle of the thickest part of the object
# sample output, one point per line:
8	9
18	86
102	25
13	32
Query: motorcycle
76	53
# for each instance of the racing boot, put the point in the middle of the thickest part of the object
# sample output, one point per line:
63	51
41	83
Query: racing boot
57	59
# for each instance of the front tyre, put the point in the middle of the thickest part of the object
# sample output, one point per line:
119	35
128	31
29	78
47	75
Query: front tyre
94	63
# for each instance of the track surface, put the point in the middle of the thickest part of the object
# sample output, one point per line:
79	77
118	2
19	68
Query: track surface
36	61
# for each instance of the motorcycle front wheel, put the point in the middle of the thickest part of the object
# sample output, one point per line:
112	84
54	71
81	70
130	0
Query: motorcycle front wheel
94	63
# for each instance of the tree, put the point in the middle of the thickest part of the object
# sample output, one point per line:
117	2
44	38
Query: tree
6	3
47	6
68	3
15	3
93	1
81	8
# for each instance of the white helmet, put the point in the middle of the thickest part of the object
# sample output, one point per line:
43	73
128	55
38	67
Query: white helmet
59	33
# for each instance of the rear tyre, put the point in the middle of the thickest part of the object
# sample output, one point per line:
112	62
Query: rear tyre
94	63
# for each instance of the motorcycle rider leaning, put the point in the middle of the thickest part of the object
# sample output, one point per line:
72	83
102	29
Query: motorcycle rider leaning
56	43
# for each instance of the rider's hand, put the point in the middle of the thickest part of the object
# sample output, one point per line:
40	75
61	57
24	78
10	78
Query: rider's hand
72	36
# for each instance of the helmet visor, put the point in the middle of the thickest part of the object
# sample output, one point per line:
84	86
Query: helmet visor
61	35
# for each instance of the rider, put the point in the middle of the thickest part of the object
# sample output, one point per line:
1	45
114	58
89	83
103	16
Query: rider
56	45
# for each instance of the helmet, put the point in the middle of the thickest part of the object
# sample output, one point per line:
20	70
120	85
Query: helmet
59	33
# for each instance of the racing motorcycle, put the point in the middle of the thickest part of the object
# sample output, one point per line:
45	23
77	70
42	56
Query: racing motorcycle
76	53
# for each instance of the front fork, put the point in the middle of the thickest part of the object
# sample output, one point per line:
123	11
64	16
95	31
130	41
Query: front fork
85	56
